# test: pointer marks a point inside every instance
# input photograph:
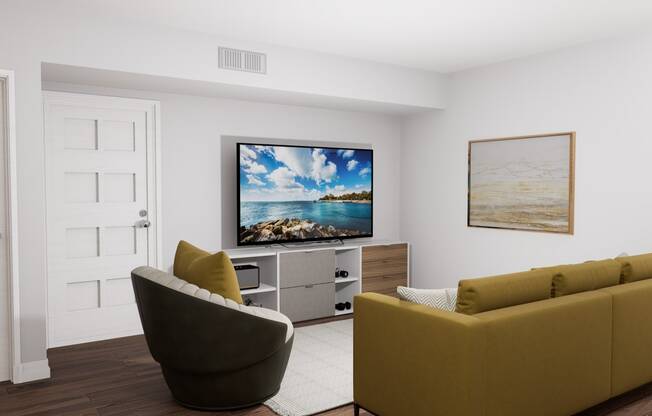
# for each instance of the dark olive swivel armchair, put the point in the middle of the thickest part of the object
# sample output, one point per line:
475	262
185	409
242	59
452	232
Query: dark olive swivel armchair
215	354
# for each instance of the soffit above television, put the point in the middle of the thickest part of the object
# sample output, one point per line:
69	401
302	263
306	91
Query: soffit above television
53	74
291	194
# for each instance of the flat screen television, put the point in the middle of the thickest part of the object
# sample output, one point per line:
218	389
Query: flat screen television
289	194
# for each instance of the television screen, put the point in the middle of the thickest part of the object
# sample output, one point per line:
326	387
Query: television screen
298	193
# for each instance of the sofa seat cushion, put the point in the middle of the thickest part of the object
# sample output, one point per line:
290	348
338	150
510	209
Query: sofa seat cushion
489	293
213	272
584	277
635	268
444	299
174	283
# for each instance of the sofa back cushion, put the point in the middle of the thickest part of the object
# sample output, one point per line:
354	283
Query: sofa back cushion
213	272
635	268
583	277
489	293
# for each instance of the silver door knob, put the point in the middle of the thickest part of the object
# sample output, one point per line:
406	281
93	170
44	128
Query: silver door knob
143	224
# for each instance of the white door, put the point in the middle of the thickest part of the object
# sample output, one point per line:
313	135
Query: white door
101	213
4	281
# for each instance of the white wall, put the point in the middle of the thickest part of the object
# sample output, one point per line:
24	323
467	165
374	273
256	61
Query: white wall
36	31
195	208
602	91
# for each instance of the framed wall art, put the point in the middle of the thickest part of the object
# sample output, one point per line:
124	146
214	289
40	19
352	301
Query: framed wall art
522	183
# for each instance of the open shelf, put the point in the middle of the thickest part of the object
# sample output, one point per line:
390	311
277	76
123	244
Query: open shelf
264	288
265	295
339	280
347	258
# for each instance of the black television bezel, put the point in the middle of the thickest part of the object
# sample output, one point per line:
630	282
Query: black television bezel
304	240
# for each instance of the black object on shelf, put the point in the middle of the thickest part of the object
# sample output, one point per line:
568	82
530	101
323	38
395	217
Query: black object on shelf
248	276
341	273
341	306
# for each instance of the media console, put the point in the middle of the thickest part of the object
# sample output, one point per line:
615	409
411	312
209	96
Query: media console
300	282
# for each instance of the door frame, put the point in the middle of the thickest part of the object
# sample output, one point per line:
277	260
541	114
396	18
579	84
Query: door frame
152	108
12	223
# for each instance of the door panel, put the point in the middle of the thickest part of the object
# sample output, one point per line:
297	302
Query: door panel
99	170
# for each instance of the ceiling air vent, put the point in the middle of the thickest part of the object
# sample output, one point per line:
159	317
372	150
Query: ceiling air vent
239	60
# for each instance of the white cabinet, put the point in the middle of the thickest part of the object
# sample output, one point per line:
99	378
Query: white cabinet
301	282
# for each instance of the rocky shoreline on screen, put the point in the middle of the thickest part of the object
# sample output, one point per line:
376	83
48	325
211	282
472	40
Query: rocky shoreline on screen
288	229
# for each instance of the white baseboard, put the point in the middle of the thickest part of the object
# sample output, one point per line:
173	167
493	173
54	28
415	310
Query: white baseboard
34	370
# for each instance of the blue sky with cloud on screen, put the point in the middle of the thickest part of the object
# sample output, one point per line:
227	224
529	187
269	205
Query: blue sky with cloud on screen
278	173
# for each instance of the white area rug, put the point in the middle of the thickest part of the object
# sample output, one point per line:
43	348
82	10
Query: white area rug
319	376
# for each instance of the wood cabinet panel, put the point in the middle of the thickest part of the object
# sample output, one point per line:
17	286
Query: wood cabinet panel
384	268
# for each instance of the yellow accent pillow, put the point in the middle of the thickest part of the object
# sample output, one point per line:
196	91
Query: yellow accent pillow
496	292
213	272
635	268
583	277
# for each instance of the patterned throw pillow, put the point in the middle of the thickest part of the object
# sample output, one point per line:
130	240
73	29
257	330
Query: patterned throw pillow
444	299
452	297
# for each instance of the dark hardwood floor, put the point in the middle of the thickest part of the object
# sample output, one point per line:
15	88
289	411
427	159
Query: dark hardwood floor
119	377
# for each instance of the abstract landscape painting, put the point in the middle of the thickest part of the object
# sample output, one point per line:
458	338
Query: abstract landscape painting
522	183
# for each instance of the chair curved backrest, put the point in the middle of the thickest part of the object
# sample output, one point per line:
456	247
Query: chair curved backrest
189	329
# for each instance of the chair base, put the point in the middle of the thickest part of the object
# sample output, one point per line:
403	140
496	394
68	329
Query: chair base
236	389
222	409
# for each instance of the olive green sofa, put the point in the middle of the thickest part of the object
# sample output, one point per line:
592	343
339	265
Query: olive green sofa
549	342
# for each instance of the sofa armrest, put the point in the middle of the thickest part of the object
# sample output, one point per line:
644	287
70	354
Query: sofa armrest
415	360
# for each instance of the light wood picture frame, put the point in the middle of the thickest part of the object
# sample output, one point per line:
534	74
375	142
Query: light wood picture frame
522	183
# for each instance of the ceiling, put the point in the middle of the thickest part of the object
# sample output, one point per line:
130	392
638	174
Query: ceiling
439	35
